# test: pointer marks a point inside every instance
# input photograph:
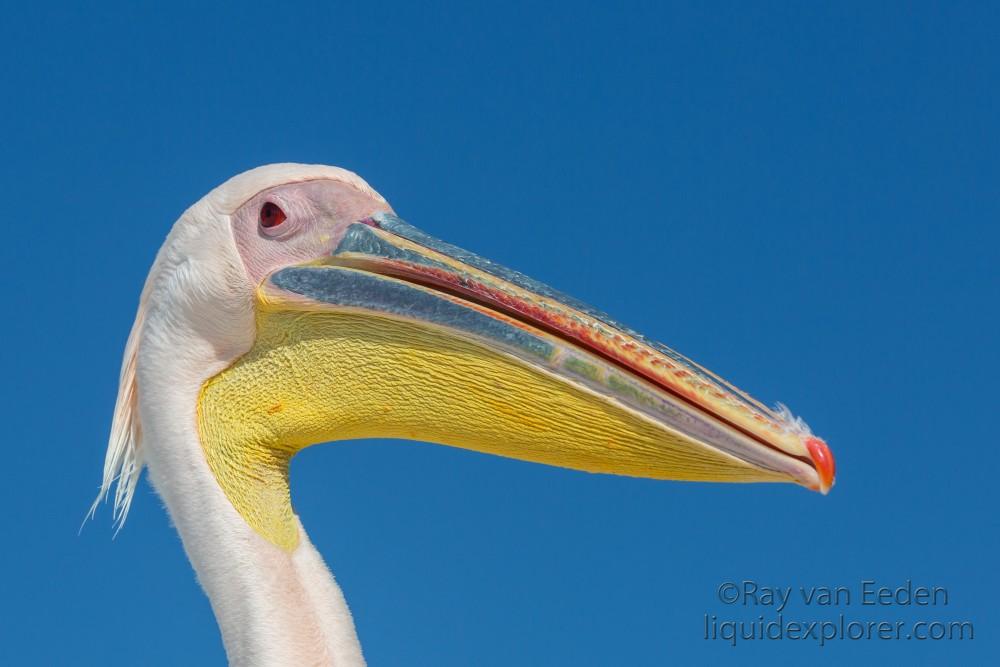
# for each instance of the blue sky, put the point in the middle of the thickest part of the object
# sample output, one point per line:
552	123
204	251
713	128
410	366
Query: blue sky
803	199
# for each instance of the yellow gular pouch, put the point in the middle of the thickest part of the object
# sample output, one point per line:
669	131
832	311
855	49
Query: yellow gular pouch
313	377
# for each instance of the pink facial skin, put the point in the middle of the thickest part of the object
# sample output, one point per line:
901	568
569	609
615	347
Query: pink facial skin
317	216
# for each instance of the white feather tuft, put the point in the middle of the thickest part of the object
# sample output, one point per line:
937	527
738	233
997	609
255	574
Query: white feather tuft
123	461
790	422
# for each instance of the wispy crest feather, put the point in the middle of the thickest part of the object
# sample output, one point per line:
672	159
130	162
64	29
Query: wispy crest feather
123	461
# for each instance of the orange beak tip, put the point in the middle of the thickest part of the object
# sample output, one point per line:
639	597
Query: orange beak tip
822	459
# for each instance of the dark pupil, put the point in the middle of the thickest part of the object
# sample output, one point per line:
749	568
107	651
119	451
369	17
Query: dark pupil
270	215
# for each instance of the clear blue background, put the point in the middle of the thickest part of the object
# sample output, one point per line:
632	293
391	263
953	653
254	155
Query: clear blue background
805	200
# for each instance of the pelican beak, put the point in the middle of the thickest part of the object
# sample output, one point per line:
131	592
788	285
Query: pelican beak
397	334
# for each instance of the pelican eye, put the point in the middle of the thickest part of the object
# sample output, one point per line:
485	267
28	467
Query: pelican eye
271	215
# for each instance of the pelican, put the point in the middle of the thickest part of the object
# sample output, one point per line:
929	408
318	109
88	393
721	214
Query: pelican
291	306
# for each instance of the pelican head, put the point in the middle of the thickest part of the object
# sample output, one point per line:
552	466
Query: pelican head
291	306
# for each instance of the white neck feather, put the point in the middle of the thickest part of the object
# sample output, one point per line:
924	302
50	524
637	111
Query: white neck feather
273	607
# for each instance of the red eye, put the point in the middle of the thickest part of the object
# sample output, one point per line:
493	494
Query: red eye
271	215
